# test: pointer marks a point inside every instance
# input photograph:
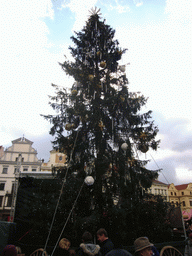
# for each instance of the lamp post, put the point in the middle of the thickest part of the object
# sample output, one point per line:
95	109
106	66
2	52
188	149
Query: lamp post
15	190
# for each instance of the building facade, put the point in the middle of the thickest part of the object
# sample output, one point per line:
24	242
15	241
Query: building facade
159	188
56	159
181	195
20	158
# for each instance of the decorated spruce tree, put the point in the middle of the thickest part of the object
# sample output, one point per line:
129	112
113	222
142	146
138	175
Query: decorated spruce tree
99	123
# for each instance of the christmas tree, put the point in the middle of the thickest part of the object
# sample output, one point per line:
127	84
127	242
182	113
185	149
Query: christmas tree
99	123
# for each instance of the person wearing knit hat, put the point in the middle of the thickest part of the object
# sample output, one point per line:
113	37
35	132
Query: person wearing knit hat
143	247
9	250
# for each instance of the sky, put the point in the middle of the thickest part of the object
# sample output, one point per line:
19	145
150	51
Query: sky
35	36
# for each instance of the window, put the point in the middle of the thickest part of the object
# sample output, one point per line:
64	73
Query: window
22	159
1	201
190	192
177	204
2	185
25	169
172	202
182	193
171	193
13	188
9	201
175	194
190	202
34	170
183	203
5	170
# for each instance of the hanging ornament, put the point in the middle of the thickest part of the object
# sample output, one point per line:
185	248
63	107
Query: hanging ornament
143	136
122	98
68	127
131	162
143	148
89	180
103	64
101	125
122	68
74	92
119	52
91	77
99	86
98	53
124	146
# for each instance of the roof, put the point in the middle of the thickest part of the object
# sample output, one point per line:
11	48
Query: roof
181	187
159	182
22	140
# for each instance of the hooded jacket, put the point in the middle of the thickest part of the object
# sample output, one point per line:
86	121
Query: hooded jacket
89	249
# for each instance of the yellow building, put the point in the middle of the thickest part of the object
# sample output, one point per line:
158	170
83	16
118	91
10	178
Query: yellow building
181	195
56	159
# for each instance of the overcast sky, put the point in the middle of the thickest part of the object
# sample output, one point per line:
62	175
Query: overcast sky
35	36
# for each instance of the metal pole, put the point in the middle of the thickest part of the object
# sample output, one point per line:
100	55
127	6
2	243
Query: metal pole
183	223
14	198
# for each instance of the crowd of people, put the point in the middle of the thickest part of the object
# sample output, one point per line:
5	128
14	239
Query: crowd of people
105	246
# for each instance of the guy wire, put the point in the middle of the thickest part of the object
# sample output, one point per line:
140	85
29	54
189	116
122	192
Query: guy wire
64	180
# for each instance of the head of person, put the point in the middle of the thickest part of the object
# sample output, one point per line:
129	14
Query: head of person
87	236
9	250
143	247
102	235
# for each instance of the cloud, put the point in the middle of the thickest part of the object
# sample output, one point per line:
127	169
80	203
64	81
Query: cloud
179	10
81	11
138	3
27	68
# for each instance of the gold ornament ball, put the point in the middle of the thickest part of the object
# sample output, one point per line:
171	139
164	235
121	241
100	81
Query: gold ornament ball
91	77
74	92
103	64
68	127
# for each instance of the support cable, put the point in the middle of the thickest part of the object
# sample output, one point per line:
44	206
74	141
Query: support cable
67	219
64	180
160	169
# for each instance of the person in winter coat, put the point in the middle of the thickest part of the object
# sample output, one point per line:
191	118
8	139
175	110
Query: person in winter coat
105	243
118	247
88	248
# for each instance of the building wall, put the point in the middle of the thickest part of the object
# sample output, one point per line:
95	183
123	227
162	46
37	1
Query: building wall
56	159
181	195
160	188
21	157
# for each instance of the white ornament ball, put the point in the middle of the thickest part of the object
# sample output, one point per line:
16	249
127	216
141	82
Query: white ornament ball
89	180
124	146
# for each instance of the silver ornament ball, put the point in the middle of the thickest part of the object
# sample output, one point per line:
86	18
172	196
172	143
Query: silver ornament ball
89	180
